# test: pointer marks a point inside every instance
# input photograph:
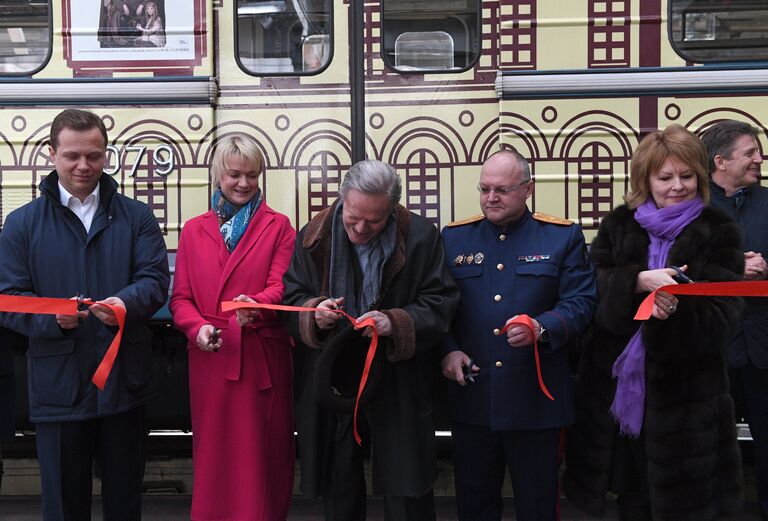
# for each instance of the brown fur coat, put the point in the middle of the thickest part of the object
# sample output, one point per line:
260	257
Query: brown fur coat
693	460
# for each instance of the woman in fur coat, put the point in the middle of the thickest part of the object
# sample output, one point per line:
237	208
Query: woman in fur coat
654	420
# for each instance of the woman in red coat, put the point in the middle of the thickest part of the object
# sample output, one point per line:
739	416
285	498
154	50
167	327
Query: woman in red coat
240	379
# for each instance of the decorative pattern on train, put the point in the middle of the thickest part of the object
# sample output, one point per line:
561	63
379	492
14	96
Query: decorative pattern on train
441	84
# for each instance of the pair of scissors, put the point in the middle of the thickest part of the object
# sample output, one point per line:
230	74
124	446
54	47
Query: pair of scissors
214	339
681	278
466	370
81	302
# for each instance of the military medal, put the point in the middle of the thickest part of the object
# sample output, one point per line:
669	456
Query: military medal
479	258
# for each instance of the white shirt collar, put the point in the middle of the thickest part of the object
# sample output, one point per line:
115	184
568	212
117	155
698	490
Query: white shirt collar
65	196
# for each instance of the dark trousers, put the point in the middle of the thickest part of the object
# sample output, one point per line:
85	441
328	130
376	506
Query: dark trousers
480	457
66	452
749	387
346	498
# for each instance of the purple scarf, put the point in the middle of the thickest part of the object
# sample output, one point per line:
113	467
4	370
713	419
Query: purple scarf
663	226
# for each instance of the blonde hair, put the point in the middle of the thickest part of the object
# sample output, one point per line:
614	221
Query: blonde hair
235	145
655	148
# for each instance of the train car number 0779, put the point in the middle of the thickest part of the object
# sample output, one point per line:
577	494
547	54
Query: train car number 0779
162	159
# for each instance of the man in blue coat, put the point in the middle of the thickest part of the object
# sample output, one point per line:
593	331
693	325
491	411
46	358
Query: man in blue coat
509	262
81	237
734	167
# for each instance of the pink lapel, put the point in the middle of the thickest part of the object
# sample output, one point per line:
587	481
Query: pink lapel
211	227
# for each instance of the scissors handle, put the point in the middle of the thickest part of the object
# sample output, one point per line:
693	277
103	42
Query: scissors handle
680	278
214	337
467	370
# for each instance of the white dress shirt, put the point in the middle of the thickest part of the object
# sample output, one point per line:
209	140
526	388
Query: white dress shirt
86	210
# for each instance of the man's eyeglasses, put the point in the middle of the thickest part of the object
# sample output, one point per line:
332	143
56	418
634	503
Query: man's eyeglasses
501	190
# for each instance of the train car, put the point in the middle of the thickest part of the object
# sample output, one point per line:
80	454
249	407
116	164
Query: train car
430	86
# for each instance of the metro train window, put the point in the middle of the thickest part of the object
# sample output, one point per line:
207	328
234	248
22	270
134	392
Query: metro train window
25	36
283	37
719	30
430	35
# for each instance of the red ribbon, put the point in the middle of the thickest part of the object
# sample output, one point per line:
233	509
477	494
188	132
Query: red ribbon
60	306
745	288
357	324
525	320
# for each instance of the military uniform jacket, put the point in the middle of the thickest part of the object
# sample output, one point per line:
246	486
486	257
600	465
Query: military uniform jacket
532	267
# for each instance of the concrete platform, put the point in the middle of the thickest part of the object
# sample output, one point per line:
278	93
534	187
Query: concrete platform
176	508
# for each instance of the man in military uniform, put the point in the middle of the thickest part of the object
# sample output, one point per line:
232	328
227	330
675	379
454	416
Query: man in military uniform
509	262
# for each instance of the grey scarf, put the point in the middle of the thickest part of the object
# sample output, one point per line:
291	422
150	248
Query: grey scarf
372	258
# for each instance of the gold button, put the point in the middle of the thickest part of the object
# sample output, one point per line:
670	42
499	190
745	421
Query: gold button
498	363
497	298
497	331
500	267
502	237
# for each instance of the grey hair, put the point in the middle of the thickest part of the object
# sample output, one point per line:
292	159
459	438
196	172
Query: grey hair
372	177
525	167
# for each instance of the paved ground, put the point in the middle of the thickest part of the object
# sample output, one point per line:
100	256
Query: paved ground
176	508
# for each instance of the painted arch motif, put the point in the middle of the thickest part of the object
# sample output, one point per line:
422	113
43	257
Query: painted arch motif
596	154
425	151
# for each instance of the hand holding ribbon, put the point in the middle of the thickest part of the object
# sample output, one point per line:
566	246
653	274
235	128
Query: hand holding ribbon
361	323
69	321
104	310
326	312
245	316
112	309
527	322
757	288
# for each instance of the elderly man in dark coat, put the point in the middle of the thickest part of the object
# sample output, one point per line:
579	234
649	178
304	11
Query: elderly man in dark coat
376	259
82	237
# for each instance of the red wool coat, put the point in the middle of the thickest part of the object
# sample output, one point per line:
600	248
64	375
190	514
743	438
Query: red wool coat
242	416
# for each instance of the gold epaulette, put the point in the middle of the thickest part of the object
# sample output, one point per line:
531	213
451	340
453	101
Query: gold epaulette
551	219
468	220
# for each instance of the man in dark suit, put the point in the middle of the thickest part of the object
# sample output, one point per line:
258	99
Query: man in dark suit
734	166
510	262
82	237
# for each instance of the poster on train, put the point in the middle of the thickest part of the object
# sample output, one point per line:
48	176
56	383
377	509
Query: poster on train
120	35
